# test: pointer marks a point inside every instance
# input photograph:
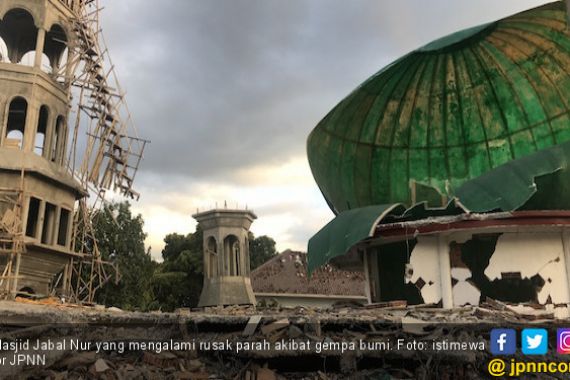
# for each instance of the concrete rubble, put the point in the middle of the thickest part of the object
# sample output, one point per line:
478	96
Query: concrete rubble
249	326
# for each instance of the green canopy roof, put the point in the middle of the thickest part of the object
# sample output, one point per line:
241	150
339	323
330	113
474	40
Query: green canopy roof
447	113
344	231
540	181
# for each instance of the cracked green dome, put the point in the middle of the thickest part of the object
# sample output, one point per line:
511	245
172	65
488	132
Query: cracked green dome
447	113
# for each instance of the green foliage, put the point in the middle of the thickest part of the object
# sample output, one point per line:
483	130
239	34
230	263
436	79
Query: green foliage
178	280
120	239
190	245
175	289
261	249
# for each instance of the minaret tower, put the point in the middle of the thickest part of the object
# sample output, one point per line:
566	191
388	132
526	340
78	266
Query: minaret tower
38	194
65	132
226	257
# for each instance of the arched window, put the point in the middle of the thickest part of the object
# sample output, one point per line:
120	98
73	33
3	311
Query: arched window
55	46
232	255
40	140
19	32
211	246
16	125
236	257
58	140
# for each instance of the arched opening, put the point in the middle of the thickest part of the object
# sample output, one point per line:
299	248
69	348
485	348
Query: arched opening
232	255
55	46
26	292
41	131
211	246
16	125
30	58
19	32
58	140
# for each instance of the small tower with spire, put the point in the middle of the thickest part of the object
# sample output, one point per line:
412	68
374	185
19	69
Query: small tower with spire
226	257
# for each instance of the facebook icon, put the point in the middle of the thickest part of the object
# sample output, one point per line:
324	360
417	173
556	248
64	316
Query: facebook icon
503	341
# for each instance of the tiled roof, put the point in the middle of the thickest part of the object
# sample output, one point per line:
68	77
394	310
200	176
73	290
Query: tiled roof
287	273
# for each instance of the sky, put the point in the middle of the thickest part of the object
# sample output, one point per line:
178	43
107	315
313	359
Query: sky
228	91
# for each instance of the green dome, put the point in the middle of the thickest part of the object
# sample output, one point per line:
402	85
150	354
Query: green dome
447	113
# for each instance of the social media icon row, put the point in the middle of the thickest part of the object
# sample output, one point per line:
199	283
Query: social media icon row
563	341
533	341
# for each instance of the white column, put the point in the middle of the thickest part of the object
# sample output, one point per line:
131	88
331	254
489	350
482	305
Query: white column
566	248
445	272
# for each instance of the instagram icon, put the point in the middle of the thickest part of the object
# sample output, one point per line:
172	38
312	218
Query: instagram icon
563	341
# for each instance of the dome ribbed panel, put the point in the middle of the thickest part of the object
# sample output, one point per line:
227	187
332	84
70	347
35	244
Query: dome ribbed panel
437	118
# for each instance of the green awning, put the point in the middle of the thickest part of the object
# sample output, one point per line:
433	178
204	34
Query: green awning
344	231
540	181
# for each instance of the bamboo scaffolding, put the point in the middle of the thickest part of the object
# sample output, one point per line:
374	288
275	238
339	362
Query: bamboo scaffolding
107	161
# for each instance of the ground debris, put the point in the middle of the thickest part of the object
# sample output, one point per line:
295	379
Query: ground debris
78	360
298	327
162	360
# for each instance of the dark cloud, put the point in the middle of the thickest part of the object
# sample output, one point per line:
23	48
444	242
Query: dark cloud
222	84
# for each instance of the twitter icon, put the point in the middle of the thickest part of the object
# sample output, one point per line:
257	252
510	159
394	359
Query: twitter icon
534	341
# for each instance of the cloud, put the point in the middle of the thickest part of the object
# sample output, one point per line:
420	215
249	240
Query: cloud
288	204
228	90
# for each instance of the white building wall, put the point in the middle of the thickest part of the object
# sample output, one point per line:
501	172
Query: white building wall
532	254
424	267
437	271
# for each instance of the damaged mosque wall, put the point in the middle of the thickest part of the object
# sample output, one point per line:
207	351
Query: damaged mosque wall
465	268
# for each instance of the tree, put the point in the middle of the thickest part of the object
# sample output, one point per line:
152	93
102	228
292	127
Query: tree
261	249
178	280
120	239
190	245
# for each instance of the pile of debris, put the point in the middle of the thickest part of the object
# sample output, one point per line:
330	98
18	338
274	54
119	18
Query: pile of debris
265	344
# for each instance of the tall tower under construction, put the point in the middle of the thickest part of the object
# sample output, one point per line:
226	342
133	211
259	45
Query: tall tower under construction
53	81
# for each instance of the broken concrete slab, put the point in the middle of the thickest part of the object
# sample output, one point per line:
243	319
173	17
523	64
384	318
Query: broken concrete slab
251	325
274	326
101	366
